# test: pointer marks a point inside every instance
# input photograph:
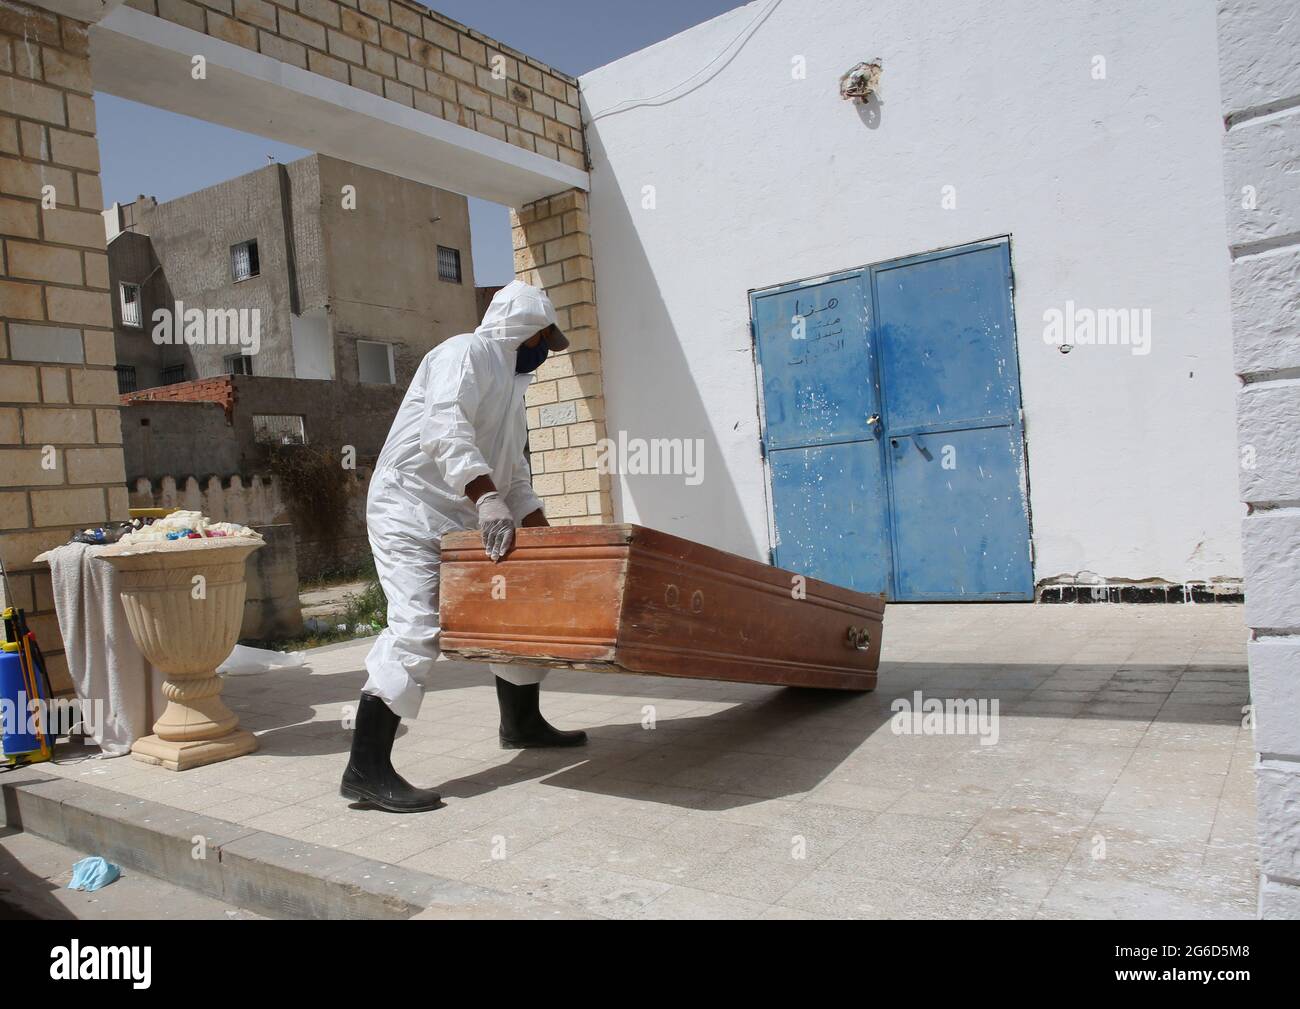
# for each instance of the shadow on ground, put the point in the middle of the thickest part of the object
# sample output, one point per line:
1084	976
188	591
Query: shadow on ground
771	742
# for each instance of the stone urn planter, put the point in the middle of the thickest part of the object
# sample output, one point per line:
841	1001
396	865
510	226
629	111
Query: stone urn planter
184	602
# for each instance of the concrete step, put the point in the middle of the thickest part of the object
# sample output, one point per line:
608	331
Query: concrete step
266	873
34	877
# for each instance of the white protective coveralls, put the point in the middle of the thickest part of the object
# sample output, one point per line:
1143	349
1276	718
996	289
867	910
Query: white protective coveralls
462	417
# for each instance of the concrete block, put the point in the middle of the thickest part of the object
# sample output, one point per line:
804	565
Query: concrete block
1265	310
394	41
95	465
291	879
1275	695
301	30
1279	901
1277	795
54	385
81	113
97	386
18	218
100	348
358	26
1261	154
33	261
26	468
34	802
1268	434
406	19
33	100
79	506
75	149
76	227
96	262
256	12
1270	550
272	608
345	47
1258	40
284	50
21	300
183	13
17	383
17	550
81	308
58	426
229	30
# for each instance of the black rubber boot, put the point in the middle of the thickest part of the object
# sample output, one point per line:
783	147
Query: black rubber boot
522	724
369	776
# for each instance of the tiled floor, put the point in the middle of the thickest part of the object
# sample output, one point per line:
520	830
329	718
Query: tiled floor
1119	785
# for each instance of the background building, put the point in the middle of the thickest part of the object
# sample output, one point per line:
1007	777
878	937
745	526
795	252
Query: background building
356	274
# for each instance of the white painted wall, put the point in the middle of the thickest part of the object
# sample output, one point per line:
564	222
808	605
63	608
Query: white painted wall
1260	75
1110	189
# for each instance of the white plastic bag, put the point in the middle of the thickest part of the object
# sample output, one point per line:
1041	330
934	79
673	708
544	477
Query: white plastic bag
244	661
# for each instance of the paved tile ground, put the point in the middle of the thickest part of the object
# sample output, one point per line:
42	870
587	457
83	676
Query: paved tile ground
1120	784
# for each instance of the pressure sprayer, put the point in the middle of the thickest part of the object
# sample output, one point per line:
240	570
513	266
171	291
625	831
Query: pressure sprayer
24	727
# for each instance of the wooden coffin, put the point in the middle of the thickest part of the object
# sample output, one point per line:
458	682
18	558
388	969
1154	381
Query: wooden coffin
621	598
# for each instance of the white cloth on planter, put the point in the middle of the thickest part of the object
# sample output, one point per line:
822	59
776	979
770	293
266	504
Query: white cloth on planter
119	689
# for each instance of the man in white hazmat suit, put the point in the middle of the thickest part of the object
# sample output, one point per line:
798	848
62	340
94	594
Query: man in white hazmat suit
454	459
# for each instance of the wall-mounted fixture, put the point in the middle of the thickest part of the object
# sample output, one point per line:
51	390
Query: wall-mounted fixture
862	81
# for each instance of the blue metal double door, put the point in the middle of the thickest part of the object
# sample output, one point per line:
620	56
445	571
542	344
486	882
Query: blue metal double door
892	427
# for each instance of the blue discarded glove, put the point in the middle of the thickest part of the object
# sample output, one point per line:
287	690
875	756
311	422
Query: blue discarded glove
93	873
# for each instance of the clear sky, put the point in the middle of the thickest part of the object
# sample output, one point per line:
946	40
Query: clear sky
146	150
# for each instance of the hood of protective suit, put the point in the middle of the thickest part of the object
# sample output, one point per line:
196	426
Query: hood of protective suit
462	417
516	313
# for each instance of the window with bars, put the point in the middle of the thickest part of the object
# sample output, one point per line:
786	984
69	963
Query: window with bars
126	378
279	429
130	297
172	374
238	364
449	264
243	261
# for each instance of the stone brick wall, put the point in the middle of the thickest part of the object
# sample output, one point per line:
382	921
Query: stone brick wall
60	430
1260	78
406	53
566	416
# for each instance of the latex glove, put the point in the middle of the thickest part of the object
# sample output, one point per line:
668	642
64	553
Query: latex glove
496	524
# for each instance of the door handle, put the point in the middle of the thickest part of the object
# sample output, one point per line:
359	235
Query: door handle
873	423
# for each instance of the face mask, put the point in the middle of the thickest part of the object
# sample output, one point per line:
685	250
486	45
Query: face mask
529	359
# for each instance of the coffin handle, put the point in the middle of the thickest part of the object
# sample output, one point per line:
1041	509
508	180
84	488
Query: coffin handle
859	638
